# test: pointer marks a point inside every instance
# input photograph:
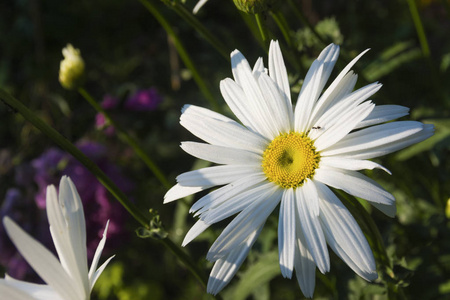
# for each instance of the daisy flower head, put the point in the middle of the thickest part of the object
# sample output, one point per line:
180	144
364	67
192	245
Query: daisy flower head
68	278
280	154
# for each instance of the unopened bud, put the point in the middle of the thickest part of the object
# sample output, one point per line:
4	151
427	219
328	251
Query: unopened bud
71	69
254	6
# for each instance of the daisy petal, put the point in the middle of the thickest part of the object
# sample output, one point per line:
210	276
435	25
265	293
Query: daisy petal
243	224
99	272
374	137
258	68
195	231
328	100
259	113
315	80
220	154
43	261
310	225
278	73
351	164
305	267
355	184
76	253
280	110
338	83
219	130
36	291
178	191
224	193
388	210
218	175
339	130
10	292
383	113
286	233
225	268
344	235
98	253
338	114
237	203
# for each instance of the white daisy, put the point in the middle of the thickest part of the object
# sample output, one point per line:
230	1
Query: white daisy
291	155
68	278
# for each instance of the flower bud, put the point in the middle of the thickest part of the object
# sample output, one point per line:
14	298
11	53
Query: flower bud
254	6
71	69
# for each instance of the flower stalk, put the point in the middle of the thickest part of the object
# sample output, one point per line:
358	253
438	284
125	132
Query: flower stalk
182	52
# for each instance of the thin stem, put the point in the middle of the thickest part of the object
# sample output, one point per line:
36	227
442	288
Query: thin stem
262	27
283	26
419	28
127	139
66	145
194	22
251	24
182	52
435	80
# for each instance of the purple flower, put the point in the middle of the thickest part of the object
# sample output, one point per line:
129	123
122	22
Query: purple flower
109	102
144	100
20	207
102	124
98	208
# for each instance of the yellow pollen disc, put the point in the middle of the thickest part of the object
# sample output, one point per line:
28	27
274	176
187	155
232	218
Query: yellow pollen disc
289	159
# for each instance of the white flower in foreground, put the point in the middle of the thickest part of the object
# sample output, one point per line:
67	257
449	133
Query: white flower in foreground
291	155
68	278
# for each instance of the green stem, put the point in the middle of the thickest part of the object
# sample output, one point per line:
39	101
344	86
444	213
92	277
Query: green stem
127	139
283	26
182	52
66	145
251	24
194	22
262	27
434	78
419	28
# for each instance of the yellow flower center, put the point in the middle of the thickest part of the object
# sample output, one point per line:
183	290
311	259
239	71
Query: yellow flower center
289	159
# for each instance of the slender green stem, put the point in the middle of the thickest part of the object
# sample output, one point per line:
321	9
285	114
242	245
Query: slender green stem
127	139
419	28
283	26
182	52
195	23
66	145
262	27
434	78
251	24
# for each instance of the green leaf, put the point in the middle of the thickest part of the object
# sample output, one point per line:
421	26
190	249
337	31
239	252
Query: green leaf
265	269
442	133
390	59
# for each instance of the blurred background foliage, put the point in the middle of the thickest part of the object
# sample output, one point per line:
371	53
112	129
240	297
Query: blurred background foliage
127	52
